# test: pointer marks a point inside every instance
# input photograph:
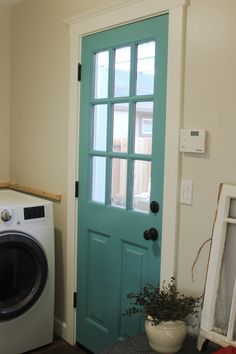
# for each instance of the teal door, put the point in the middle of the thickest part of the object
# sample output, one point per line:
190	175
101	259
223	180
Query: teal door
121	159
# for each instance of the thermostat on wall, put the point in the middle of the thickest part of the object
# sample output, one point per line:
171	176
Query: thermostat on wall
193	140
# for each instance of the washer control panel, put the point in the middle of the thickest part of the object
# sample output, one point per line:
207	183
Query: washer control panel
34	212
19	210
16	216
6	215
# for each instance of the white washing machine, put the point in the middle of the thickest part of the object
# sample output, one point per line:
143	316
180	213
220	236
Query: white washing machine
26	272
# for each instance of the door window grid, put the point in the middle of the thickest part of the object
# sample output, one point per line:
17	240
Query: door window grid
122	149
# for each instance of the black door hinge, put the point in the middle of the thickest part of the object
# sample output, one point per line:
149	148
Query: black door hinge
79	72
75	300
76	189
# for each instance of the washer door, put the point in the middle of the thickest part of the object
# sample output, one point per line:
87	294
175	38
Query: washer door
23	273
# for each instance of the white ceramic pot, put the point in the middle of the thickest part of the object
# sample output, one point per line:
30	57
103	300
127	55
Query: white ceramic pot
166	337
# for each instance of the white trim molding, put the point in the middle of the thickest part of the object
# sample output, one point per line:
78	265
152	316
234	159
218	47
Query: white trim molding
112	14
59	327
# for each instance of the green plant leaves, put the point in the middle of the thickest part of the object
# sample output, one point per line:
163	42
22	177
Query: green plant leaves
165	304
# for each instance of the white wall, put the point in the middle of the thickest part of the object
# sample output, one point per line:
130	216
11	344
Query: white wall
5	77
39	121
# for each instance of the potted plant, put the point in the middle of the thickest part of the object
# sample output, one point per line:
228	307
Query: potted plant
167	313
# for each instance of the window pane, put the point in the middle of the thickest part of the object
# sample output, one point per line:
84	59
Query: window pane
145	68
141	185
120	127
118	182
232	210
143	128
98	179
122	72
226	284
101	75
100	127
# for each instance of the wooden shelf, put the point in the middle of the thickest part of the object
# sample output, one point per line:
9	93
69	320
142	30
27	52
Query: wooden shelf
30	190
4	184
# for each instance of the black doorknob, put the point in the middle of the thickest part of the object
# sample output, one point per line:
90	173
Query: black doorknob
154	207
151	234
146	235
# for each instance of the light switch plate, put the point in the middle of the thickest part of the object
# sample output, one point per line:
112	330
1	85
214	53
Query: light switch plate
186	191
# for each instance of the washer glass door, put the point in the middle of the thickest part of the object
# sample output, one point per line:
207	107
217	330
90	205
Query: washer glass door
23	273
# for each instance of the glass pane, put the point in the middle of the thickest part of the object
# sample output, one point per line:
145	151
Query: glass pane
145	68
141	185
226	286
98	179
120	127
100	127
18	273
118	182
232	210
122	72
143	128
101	75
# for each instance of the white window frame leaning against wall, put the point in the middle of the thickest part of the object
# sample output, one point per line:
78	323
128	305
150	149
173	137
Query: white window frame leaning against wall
111	14
209	329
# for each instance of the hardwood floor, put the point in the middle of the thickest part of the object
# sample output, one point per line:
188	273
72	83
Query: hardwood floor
59	346
134	345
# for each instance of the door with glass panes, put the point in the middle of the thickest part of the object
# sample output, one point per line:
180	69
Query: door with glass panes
121	162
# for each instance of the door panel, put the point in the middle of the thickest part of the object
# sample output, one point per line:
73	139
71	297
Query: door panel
122	130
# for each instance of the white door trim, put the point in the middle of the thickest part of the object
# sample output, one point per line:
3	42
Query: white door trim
112	14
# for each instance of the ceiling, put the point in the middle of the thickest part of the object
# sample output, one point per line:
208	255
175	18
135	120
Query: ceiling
10	2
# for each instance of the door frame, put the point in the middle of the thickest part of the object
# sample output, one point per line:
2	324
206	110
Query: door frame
110	15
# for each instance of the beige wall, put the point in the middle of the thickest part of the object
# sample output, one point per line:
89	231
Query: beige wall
210	103
5	76
39	122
